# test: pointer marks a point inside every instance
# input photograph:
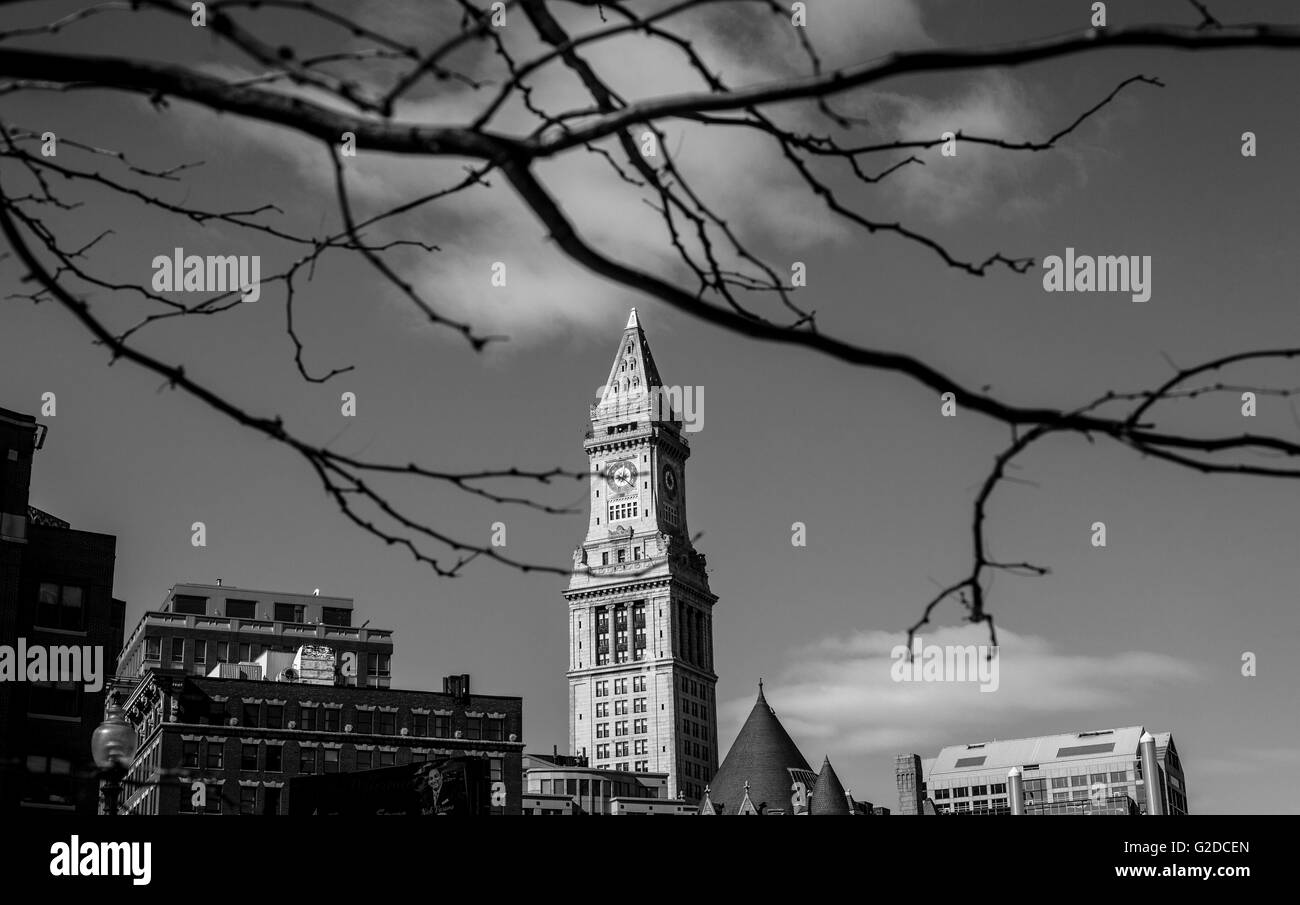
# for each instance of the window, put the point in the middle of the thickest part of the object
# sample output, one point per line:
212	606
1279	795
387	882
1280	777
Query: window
620	749
474	727
961	792
290	612
365	721
331	760
241	609
387	758
386	723
248	757
189	604
248	799
216	713
1060	782
364	759
602	730
420	725
251	713
602	709
212	798
60	606
271	800
274	758
442	727
307	718
639	746
335	616
622	555
620	686
216	755
200	652
620	728
306	760
190	754
153	648
604	557
274	716
223	652
638	683
620	708
621	511
377	664
1121	776
1080	780
178	651
638	705
602	689
639	726
332	716
245	652
496	729
602	750
54	698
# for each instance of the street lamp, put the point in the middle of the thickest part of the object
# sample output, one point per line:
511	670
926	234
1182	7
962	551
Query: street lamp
113	746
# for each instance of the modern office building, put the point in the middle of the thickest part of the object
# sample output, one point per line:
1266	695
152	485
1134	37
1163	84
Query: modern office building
224	631
1093	772
641	679
56	595
556	784
212	746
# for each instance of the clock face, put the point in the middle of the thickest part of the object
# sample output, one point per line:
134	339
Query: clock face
670	481
622	476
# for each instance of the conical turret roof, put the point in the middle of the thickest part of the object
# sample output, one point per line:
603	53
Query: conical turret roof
828	795
762	756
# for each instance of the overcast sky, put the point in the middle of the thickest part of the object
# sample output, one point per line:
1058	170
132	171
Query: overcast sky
1149	630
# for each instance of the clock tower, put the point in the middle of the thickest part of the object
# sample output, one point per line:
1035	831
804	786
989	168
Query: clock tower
641	680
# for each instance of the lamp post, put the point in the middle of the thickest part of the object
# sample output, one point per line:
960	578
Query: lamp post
113	746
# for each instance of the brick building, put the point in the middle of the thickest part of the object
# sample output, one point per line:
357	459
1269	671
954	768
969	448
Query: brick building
56	592
200	627
244	739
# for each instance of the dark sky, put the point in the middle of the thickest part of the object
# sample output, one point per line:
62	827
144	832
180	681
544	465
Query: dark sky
1149	630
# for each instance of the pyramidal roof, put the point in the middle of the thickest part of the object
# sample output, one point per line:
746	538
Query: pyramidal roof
828	795
632	373
759	764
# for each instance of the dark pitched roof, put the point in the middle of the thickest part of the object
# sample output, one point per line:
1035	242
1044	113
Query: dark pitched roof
828	795
762	756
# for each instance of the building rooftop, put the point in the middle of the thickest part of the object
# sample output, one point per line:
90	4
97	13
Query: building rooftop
760	761
1006	753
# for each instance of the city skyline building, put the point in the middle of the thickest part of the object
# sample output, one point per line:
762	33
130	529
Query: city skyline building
640	610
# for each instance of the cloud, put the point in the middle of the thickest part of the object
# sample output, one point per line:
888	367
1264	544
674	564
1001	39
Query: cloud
738	173
838	696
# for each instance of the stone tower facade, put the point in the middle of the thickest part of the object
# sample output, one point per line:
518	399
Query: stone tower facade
641	679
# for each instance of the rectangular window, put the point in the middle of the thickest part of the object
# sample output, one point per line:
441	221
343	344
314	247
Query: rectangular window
274	758
245	652
178	651
364	760
638	683
365	722
307	718
60	606
387	758
248	799
1078	780
223	652
306	760
190	754
189	605
200	652
251	713
474	727
496	729
153	648
377	664
271	800
332	715
216	755
386	723
442	727
241	609
420	725
604	558
274	716
289	612
213	799
335	616
248	757
331	760
602	689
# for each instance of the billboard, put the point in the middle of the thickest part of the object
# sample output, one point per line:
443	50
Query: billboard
456	786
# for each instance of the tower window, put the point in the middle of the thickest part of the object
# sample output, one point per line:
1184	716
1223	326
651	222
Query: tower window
622	555
604	558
